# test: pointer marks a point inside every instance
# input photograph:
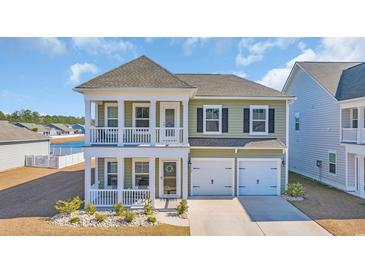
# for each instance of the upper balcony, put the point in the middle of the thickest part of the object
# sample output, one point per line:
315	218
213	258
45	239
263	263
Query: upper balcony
137	123
352	125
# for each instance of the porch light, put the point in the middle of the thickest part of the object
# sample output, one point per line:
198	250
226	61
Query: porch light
283	162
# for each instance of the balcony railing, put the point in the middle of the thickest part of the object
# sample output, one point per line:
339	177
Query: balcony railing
133	135
350	135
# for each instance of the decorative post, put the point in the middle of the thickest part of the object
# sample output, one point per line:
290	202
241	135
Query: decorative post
120	184
120	122
87	121
152	180
360	125
185	174
185	122
153	121
87	182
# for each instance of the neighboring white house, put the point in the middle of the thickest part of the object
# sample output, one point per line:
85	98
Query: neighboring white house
326	125
61	129
16	143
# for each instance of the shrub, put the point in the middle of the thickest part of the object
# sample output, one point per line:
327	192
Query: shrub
35	129
129	216
90	209
148	208
119	209
151	219
295	190
74	220
100	217
69	206
182	208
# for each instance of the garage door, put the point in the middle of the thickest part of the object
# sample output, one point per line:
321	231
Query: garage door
211	176
259	177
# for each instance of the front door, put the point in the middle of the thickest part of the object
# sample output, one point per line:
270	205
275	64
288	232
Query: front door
169	122
169	179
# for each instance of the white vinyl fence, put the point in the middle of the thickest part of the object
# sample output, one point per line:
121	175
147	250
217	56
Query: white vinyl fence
52	161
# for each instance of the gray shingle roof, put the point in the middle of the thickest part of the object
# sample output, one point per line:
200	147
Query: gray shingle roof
61	127
269	143
228	85
30	126
141	72
328	74
12	133
352	83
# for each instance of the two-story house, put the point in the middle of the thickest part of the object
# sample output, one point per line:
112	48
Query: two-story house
326	127
163	135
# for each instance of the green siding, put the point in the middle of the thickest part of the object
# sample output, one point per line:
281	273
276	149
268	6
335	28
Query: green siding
127	172
235	117
243	153
100	114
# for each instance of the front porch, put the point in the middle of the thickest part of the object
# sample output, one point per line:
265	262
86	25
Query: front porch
356	174
133	180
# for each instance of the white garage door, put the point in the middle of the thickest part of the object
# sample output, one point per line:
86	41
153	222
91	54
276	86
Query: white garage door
259	177
211	176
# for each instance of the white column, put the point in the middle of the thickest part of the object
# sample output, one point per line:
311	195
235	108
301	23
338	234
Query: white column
360	123
120	185
185	175
87	121
120	122
96	179
153	121
87	182
360	172
185	121
152	180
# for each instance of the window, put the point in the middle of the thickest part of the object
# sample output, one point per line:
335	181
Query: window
332	159
142	115
212	119
111	174
259	119
297	121
354	117
112	116
141	174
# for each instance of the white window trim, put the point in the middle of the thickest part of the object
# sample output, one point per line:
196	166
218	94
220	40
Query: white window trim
106	118
106	161
134	112
205	107
266	107
352	119
333	152
296	115
174	105
134	160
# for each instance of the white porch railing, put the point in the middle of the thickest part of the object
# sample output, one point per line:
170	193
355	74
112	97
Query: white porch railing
349	135
134	136
103	135
103	197
169	135
109	197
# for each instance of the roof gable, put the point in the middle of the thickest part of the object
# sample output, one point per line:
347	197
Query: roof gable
352	83
138	73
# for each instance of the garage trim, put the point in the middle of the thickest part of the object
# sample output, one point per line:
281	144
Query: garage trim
214	160
278	163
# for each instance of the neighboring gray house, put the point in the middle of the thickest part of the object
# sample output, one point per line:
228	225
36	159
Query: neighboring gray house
44	130
16	142
326	125
61	129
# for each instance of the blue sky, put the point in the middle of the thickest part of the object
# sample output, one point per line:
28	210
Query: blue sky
39	73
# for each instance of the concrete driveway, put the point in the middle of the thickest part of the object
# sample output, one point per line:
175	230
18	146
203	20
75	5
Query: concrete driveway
251	216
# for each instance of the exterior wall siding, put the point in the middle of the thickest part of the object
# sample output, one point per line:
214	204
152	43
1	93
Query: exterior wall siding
230	153
12	155
235	118
319	131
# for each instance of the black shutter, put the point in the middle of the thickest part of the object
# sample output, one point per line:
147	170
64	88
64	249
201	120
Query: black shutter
246	120
271	120
224	119
199	120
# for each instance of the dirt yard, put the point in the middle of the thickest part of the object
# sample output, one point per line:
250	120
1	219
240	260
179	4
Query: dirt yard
340	213
27	197
68	139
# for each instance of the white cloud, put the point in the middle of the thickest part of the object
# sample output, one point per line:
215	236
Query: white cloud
190	43
329	49
250	51
49	45
78	69
105	46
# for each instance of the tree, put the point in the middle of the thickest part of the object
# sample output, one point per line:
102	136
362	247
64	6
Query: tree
2	116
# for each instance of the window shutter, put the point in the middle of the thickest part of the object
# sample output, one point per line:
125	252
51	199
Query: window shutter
271	120
199	120
224	119
246	120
